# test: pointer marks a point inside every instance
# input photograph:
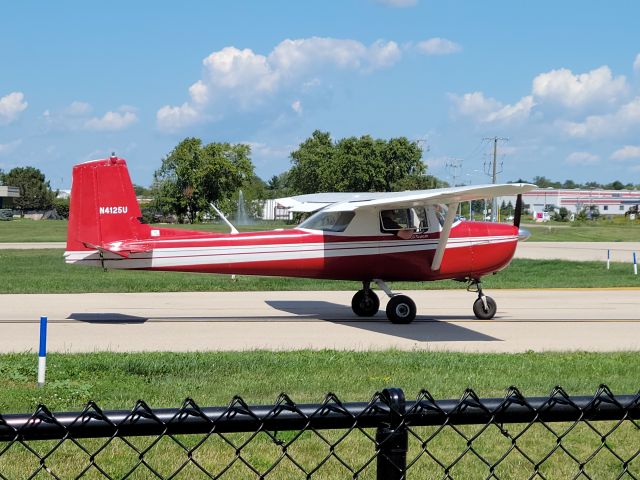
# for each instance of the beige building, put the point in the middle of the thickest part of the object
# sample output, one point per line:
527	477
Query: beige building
7	194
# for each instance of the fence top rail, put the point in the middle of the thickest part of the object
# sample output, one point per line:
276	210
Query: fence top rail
385	408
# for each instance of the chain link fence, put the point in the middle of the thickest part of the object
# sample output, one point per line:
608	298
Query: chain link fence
558	436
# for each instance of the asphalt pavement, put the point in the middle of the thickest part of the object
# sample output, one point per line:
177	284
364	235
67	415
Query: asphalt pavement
539	320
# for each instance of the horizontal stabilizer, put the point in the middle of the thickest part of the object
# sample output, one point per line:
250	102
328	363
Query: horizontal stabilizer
120	248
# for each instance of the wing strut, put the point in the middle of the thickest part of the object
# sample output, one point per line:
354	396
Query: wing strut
444	236
233	229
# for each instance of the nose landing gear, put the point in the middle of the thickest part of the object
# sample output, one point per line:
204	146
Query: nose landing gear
484	308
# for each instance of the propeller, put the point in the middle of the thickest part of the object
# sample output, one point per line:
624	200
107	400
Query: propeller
518	211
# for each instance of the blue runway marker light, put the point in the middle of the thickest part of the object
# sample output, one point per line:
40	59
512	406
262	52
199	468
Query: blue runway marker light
42	355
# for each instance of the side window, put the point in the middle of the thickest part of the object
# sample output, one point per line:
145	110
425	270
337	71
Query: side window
394	220
420	220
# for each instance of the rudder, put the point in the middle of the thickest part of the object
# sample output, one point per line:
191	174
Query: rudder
103	205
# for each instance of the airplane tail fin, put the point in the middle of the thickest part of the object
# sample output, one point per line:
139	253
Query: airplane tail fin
103	206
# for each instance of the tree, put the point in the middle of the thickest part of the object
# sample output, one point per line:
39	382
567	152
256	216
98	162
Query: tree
35	190
194	175
615	185
356	164
562	215
543	182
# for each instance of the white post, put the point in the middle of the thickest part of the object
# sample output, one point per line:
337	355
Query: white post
608	258
635	264
42	355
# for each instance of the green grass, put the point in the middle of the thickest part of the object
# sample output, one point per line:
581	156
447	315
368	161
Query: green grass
27	230
165	379
601	231
44	271
589	232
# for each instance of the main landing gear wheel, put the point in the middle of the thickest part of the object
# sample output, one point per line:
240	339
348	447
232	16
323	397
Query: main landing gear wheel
365	303
401	309
482	312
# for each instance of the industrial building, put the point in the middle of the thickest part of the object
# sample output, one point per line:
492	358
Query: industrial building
7	194
608	202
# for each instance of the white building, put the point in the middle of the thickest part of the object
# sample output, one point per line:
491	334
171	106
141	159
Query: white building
274	210
608	202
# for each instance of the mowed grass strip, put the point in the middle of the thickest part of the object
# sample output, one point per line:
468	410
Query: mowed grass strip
116	381
27	230
590	232
620	230
44	271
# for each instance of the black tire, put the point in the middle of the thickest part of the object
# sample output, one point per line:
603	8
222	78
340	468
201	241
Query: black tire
401	309
365	304
481	313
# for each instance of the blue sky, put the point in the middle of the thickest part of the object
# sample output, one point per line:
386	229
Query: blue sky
560	80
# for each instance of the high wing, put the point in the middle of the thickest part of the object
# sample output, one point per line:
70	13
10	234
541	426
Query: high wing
354	201
450	196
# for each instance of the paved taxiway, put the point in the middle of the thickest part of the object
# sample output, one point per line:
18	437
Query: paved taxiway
578	251
596	320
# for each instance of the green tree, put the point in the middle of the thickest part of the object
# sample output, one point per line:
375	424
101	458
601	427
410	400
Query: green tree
562	215
312	163
35	190
615	185
194	175
544	182
356	164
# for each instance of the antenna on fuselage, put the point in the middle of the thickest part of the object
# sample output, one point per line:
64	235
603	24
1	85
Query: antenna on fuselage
234	230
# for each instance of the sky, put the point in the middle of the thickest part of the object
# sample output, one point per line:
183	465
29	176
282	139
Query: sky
558	81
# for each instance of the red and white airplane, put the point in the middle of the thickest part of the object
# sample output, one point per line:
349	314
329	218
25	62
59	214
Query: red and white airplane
364	237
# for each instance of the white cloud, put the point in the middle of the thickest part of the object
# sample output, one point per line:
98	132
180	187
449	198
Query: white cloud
582	158
627	152
618	122
242	80
174	118
636	63
487	110
76	117
77	108
6	148
398	3
296	106
575	91
438	46
11	106
111	121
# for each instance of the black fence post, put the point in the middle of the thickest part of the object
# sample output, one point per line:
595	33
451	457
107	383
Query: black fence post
392	438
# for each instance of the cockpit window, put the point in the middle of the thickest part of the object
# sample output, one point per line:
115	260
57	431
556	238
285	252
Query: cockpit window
328	221
414	218
394	220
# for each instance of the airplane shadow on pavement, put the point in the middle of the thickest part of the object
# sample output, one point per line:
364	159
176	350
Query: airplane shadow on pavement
107	318
423	329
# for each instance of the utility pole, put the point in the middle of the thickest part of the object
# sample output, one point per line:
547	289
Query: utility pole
494	172
454	168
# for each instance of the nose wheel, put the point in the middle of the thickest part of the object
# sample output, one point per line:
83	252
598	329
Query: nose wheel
484	308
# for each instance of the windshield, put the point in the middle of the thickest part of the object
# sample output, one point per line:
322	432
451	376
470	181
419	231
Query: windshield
328	221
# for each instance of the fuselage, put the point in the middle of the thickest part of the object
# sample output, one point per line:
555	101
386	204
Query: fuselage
473	249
